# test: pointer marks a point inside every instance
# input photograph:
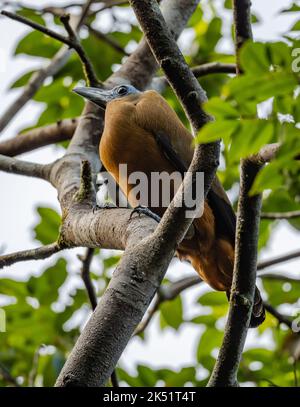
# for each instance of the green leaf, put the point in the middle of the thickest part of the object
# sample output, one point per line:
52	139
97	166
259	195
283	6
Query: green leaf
293	8
280	292
221	109
22	80
171	313
296	26
45	287
32	15
37	44
47	230
268	178
271	84
213	131
250	137
147	376
210	340
254	58
212	299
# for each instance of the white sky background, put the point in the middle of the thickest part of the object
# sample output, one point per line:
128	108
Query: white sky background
20	195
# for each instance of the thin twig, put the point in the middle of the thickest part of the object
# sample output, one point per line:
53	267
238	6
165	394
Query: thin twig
37	79
7	376
280	215
86	260
39	137
108	40
276	260
72	41
282	319
88	68
203	70
32	254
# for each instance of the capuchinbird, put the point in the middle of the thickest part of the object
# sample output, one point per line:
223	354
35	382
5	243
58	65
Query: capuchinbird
142	131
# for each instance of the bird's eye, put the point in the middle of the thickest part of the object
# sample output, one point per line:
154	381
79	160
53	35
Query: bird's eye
122	90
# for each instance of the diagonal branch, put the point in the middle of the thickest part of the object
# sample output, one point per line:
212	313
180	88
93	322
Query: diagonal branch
32	254
282	319
14	166
108	40
39	137
38	78
72	41
276	260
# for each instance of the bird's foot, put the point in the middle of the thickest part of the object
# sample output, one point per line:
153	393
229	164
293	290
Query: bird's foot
106	205
143	210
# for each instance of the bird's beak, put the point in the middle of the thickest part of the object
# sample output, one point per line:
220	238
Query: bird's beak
98	96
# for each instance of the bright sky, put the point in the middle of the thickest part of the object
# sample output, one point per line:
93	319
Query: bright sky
20	195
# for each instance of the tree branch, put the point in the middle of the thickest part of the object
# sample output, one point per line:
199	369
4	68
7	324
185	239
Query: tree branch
202	70
37	79
14	166
108	40
166	293
39	137
170	59
242	26
7	376
247	231
276	260
280	215
72	41
282	319
243	284
86	277
33	254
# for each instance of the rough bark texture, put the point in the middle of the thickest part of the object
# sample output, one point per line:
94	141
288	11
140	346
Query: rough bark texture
243	285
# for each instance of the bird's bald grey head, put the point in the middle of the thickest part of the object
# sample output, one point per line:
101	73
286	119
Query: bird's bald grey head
101	97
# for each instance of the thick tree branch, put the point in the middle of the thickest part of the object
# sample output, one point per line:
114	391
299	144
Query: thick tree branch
141	65
14	166
242	25
32	254
39	137
247	231
170	59
243	284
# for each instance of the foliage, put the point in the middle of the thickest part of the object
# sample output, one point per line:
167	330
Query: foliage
45	312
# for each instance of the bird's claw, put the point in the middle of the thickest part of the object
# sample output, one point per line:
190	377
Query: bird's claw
106	205
145	211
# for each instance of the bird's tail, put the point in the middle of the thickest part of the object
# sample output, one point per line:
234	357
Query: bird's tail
258	312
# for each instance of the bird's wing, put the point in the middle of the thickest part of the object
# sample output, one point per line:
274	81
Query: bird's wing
217	198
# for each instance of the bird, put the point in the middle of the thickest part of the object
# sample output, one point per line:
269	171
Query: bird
143	131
